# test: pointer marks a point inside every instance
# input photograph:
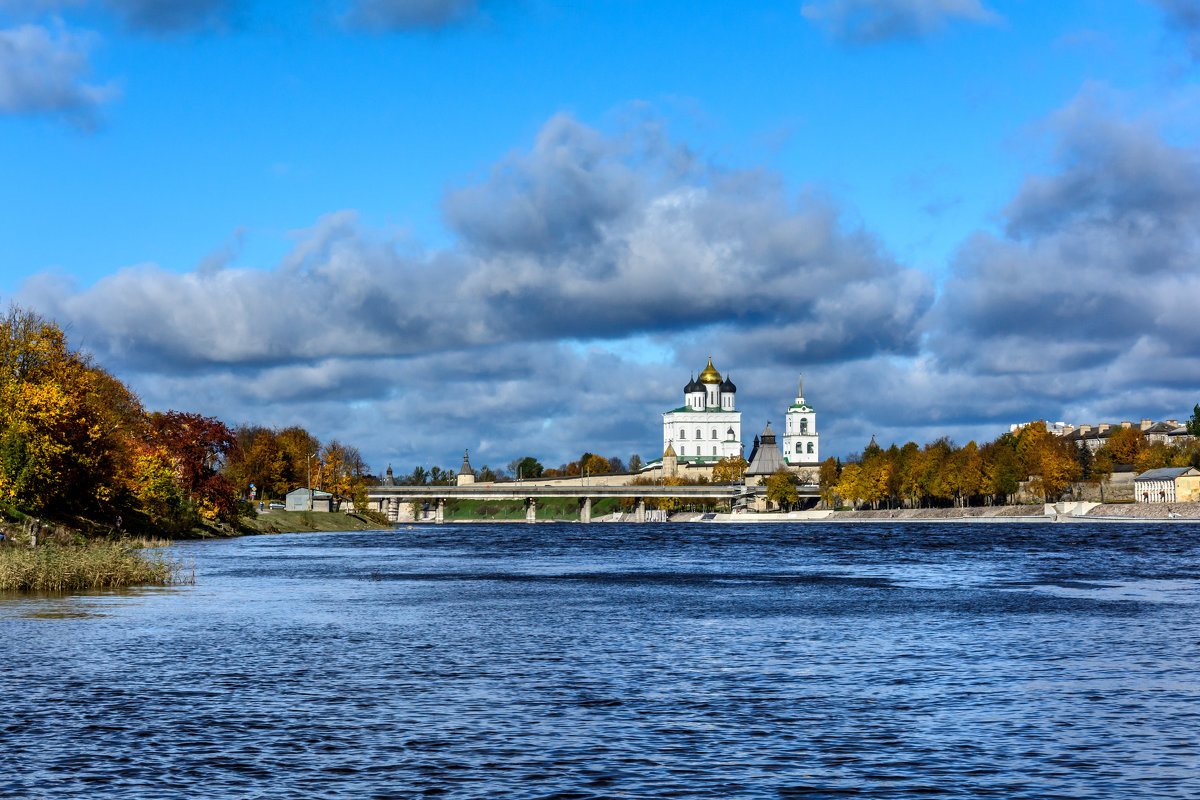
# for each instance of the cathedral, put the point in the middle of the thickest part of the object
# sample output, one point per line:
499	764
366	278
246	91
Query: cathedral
708	426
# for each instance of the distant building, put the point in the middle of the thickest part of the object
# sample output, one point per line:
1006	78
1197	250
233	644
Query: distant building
1094	437
466	475
1168	485
767	459
800	444
708	426
297	500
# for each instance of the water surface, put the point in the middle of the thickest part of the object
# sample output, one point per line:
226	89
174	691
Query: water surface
768	661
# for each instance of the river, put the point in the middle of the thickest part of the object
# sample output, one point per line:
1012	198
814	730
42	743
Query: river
570	661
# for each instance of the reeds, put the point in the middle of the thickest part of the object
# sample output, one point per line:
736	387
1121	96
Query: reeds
96	565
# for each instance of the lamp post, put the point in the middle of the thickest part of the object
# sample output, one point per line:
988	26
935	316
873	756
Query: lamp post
309	463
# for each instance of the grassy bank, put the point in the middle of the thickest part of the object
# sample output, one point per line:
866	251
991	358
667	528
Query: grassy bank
565	509
96	565
307	521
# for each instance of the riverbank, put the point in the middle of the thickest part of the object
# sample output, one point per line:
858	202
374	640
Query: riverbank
269	522
1048	512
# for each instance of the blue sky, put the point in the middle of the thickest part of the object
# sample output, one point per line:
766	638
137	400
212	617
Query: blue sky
423	225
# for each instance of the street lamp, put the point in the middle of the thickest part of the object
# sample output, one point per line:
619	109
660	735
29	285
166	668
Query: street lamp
309	463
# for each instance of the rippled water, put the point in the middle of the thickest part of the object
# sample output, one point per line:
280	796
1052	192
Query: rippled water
781	661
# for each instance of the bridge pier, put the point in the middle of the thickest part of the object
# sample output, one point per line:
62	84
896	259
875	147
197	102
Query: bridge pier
585	512
530	509
441	511
639	509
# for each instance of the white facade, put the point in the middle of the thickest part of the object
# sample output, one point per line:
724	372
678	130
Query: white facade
800	442
708	426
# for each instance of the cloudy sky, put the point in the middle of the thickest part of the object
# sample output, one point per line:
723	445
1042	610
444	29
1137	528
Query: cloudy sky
519	226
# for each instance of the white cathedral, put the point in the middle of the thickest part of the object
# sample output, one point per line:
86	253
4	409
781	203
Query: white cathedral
708	426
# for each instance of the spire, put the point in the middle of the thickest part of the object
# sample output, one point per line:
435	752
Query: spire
800	386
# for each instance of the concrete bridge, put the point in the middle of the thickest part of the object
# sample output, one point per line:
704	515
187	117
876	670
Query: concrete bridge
387	499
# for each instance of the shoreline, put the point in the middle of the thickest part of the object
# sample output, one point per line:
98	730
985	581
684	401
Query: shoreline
1040	514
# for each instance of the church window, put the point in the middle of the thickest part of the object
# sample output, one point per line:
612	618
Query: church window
810	448
714	433
682	434
698	434
804	426
799	447
714	451
682	450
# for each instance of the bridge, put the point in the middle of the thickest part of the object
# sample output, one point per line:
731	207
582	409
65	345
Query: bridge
387	499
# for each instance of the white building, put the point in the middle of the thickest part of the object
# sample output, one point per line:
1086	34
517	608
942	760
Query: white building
800	443
707	427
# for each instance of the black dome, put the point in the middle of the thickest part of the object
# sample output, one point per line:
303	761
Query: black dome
727	385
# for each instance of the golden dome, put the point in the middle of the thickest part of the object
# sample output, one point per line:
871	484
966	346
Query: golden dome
710	375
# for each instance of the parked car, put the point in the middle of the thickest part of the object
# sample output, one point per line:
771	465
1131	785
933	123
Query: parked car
275	505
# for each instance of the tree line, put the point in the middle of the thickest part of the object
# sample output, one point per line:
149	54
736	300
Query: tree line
76	442
1031	459
524	468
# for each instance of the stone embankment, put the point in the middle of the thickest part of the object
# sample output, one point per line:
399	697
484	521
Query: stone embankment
1139	511
1050	512
943	513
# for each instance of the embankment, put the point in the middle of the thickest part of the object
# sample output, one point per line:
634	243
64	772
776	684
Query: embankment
309	521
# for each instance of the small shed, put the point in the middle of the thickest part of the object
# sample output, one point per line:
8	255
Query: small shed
1167	485
297	500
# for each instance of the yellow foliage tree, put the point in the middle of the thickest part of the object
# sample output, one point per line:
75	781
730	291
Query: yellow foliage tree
849	484
730	469
781	488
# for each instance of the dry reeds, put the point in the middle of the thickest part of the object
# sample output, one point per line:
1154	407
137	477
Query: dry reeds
97	565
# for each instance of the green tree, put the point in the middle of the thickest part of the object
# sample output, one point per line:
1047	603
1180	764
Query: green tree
527	468
1193	424
635	462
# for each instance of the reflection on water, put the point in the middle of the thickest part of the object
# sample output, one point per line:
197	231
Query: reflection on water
607	661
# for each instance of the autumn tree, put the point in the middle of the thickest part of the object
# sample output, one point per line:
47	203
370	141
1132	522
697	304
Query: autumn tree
781	488
592	464
965	474
730	469
849	485
1125	445
1048	460
1001	468
66	426
827	479
196	445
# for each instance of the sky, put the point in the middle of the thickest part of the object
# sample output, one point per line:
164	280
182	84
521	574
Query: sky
519	227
